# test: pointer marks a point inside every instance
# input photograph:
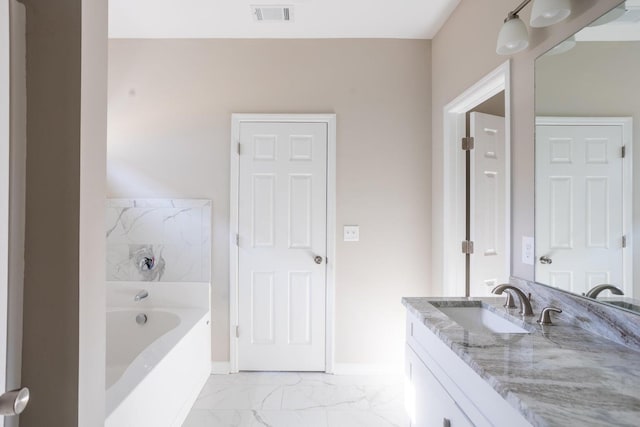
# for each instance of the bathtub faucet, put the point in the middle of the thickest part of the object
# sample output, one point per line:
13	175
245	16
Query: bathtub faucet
141	295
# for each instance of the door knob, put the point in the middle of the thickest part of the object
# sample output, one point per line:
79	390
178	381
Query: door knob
545	260
14	402
317	259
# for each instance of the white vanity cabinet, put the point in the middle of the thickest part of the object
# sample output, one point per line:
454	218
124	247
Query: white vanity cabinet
430	403
444	391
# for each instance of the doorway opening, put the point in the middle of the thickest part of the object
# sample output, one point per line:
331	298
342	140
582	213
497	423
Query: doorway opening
477	208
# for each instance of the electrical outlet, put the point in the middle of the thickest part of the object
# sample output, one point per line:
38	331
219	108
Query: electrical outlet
528	250
351	233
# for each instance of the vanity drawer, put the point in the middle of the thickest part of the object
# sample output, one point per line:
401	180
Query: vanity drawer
428	403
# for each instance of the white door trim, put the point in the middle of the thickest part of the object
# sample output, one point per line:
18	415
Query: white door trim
453	206
626	123
236	120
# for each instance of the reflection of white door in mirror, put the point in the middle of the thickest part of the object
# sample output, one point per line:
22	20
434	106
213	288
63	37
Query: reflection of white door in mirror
582	217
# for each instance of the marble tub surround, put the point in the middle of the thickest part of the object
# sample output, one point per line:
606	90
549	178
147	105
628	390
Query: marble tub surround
164	240
613	323
558	375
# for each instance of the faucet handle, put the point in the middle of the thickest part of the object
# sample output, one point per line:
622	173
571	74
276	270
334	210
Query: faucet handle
509	302
545	316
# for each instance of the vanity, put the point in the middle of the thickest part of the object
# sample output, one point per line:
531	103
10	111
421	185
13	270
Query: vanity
472	361
471	369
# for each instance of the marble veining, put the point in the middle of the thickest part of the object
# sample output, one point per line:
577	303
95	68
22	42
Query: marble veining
621	326
558	375
163	240
291	399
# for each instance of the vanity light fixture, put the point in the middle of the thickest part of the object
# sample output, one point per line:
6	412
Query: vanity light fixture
549	12
513	36
612	15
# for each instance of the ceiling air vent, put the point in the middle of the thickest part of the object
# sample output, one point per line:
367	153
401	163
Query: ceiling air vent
272	13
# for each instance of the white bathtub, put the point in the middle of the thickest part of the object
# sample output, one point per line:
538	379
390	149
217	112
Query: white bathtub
156	370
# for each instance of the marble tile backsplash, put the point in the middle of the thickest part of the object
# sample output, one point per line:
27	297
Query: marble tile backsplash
607	321
162	240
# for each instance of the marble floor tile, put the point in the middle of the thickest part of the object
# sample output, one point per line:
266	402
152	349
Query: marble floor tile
251	418
276	399
365	419
241	396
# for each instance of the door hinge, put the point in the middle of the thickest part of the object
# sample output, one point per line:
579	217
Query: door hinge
468	143
624	241
237	240
624	151
467	247
239	149
237	331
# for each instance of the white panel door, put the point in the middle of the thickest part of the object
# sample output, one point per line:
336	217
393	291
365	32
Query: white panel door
579	210
282	246
488	205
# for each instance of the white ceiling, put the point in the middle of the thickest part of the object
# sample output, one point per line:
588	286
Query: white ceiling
412	19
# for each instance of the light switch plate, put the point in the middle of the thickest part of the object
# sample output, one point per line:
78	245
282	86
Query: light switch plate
528	250
351	233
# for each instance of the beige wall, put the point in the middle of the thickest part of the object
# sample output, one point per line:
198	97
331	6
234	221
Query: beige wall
170	105
463	51
596	79
50	338
63	343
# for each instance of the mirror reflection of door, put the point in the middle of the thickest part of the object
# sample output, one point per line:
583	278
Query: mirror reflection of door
580	208
487	198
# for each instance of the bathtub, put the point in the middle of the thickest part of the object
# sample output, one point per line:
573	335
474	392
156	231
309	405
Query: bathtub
156	370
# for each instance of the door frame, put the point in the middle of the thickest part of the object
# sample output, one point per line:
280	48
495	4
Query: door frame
236	121
5	166
453	206
626	124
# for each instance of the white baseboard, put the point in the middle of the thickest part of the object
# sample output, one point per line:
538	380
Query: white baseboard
220	368
224	368
367	369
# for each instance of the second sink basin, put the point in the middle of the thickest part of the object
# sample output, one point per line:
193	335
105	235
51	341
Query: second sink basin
481	320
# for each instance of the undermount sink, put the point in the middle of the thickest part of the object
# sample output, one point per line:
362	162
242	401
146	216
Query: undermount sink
481	320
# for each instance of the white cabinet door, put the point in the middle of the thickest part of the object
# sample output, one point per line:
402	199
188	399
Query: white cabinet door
428	403
579	206
282	246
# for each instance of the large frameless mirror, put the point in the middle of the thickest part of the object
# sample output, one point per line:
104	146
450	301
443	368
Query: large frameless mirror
588	161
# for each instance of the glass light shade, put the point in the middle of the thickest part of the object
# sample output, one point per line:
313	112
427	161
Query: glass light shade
610	16
513	37
563	47
549	12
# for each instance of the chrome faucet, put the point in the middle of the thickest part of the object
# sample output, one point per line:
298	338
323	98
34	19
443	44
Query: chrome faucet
593	292
141	295
525	304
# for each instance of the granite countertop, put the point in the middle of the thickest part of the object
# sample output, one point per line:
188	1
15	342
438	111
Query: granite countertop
557	375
